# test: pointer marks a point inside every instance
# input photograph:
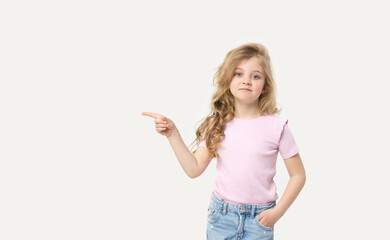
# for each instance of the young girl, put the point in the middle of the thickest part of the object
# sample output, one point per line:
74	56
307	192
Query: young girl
245	134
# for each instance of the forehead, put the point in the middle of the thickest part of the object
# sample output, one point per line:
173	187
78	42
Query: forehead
250	64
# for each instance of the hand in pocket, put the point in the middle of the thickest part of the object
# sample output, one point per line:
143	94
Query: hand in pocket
268	217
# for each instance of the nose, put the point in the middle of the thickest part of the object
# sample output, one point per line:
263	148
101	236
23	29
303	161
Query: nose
246	80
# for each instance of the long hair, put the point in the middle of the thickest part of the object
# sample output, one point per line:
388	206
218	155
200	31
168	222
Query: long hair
222	105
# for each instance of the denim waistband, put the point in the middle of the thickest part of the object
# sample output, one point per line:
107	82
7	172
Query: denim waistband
225	207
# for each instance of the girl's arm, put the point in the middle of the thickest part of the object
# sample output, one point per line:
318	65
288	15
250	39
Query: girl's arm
192	164
295	184
187	160
297	180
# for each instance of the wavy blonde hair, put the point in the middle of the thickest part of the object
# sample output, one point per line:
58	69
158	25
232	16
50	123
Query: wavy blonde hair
222	106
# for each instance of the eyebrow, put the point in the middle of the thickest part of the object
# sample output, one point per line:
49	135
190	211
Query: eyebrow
255	70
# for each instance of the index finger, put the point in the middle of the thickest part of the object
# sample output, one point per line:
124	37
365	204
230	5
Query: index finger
153	115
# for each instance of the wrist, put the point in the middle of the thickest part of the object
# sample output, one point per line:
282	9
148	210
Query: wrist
279	212
174	134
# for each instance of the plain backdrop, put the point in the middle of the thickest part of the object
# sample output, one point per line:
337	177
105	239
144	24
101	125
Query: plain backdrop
79	161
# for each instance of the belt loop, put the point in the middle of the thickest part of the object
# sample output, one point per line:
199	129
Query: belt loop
224	208
253	211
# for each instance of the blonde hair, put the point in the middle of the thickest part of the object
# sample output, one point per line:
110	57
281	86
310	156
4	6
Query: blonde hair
222	105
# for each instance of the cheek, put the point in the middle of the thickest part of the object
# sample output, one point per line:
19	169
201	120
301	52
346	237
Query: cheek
233	84
260	85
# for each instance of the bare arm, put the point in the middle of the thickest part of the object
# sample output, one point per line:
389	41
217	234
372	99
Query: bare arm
185	157
297	181
192	164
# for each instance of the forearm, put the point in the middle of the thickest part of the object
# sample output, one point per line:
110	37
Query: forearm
293	188
185	157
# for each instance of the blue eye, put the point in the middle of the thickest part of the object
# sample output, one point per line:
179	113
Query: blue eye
256	77
238	74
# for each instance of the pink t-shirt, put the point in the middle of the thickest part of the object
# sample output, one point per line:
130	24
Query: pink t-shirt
247	163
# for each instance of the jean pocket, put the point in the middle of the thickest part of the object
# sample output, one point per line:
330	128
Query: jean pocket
213	214
258	223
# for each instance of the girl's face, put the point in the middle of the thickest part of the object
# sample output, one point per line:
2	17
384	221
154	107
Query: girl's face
248	81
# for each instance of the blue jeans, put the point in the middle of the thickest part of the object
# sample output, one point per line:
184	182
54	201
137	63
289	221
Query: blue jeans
236	222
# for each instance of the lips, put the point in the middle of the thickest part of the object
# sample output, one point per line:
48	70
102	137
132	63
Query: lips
245	89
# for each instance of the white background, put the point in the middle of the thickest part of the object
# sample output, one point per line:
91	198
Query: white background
79	161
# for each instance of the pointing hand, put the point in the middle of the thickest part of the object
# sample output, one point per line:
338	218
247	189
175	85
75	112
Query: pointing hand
164	125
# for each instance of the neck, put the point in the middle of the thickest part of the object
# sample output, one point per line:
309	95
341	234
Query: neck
246	111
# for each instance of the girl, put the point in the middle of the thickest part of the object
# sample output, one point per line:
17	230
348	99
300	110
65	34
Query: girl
245	134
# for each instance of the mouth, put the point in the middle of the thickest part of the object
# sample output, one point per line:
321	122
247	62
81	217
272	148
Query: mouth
245	89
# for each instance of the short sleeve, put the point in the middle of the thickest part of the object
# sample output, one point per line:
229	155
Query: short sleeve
202	144
287	144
